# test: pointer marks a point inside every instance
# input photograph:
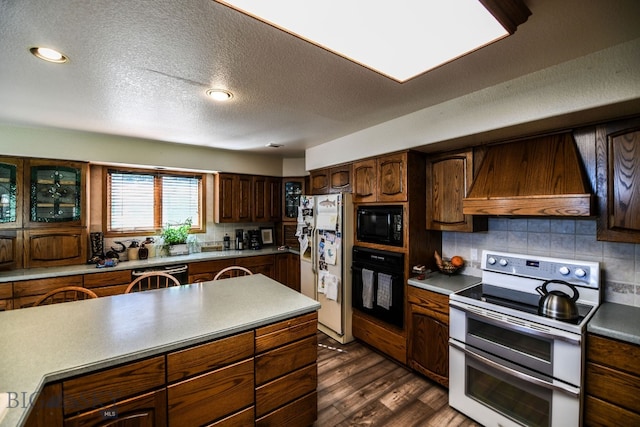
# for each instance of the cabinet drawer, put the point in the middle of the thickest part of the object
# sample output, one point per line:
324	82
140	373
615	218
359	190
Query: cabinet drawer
239	419
26	292
101	388
254	261
211	396
209	356
96	280
301	412
145	410
211	267
617	354
614	386
286	389
278	362
287	331
600	413
433	300
6	290
391	343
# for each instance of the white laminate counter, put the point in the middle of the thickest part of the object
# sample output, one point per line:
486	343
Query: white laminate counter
47	272
444	283
49	343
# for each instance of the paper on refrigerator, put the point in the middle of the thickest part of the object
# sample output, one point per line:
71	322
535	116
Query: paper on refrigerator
327	212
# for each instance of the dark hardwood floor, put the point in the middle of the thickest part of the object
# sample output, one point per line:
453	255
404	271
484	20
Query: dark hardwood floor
359	387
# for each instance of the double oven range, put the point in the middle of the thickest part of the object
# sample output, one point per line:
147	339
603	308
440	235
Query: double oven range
510	363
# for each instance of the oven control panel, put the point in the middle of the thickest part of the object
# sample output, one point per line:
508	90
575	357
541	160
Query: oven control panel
583	273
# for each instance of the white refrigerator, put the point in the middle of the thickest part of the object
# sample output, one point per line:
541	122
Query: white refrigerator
326	238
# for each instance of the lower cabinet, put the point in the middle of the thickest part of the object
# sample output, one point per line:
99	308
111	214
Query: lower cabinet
205	271
287	270
428	351
386	339
108	283
287	373
264	377
26	292
612	383
264	264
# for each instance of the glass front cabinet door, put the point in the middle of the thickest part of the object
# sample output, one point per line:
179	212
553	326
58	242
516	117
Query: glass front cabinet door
293	189
56	193
10	192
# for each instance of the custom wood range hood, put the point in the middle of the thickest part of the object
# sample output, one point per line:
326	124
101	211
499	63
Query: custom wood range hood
541	176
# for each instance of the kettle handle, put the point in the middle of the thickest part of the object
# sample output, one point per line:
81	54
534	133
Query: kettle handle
575	296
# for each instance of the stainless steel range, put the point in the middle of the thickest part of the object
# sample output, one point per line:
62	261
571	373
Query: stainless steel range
513	362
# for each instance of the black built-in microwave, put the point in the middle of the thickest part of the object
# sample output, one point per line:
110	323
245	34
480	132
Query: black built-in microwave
380	224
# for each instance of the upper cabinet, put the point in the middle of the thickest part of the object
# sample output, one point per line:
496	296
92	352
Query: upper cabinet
57	193
336	179
449	178
10	192
234	197
292	188
618	181
267	202
381	179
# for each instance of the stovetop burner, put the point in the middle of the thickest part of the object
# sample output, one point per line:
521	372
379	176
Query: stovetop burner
516	300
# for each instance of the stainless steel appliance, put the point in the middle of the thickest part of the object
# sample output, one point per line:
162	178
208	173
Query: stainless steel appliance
378	284
380	224
180	272
510	363
325	234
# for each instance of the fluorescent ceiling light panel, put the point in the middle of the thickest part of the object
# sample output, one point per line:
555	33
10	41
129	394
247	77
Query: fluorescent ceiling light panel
399	39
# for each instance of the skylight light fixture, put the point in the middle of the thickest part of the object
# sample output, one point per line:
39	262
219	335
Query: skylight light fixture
220	95
400	40
49	55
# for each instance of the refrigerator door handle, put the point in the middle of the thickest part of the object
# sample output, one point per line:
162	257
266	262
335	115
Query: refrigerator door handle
314	261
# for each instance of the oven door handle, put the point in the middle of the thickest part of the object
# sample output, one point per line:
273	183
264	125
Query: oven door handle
575	392
512	326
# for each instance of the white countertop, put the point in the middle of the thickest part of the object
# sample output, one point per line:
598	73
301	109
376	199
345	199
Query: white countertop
444	283
49	343
46	272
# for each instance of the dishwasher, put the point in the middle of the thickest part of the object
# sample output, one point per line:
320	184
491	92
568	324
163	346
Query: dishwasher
179	271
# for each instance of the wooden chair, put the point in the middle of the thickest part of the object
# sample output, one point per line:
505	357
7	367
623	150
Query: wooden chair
233	271
65	294
152	280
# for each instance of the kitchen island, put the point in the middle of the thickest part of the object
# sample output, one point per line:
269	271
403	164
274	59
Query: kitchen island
55	343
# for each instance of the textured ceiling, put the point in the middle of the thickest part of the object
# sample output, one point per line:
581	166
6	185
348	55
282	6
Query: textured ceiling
140	68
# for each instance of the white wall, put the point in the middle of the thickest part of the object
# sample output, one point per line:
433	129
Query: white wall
75	145
573	91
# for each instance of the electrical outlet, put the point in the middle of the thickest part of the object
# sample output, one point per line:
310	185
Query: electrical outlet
474	254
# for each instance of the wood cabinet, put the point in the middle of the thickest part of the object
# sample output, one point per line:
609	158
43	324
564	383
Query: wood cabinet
384	178
428	339
391	341
618	181
286	372
11	249
6	296
211	381
26	292
336	179
260	264
267	199
131	394
612	382
449	178
292	189
11	192
204	271
54	247
108	283
263	377
287	270
234	196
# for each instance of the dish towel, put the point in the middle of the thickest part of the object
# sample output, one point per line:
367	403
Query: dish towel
384	290
367	288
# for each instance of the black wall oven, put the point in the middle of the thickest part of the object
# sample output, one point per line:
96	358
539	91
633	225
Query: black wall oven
378	284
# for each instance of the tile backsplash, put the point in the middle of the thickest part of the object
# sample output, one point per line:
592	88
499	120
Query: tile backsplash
561	238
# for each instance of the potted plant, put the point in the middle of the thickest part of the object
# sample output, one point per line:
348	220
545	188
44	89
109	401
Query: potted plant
175	238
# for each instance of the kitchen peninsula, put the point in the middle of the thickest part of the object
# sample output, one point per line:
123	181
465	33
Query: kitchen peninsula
188	349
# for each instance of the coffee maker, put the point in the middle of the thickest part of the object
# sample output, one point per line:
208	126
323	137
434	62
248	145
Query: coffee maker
239	239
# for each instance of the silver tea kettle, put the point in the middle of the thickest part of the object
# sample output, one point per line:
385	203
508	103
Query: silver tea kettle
556	304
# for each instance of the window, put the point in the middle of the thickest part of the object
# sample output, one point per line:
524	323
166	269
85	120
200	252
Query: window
145	201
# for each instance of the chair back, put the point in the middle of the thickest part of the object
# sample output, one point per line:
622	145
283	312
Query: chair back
233	271
65	294
152	280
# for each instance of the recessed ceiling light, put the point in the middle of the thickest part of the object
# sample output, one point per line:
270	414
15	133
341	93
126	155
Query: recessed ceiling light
273	145
49	55
219	94
400	41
